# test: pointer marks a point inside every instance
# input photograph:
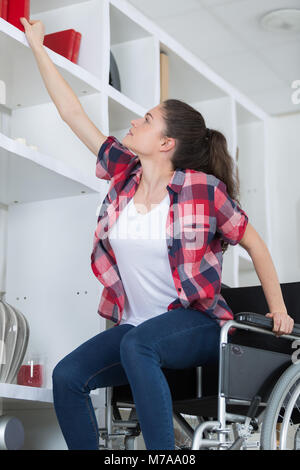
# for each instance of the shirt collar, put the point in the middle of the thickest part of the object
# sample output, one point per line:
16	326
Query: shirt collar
175	183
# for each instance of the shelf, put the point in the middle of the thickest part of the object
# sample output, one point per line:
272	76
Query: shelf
19	70
127	42
21	397
218	114
38	6
210	84
252	175
124	101
245	261
186	82
28	175
121	110
246	116
123	28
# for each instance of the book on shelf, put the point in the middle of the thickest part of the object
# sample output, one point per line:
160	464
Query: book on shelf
3	9
76	47
17	9
164	76
65	43
61	42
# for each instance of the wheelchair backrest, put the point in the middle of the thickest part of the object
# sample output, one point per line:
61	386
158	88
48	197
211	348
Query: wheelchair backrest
252	299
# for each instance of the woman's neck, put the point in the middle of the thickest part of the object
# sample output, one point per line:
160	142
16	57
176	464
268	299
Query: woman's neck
150	186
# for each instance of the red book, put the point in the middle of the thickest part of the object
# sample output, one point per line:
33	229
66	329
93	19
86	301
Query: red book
3	9
76	47
61	42
17	9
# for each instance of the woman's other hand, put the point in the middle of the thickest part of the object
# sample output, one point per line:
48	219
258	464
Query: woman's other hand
283	324
34	31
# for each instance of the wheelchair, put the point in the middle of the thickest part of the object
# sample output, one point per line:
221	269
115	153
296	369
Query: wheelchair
249	399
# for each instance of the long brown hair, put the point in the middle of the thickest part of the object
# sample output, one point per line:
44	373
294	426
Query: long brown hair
197	149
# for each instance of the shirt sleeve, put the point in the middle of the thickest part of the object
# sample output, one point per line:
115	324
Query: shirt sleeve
231	219
113	158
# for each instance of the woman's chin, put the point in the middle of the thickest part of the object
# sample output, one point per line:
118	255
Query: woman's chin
126	140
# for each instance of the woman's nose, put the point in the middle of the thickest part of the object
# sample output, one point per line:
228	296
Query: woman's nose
135	122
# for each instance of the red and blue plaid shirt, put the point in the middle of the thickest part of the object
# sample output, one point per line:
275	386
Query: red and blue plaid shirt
201	213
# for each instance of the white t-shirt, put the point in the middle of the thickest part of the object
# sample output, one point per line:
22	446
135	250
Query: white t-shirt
140	247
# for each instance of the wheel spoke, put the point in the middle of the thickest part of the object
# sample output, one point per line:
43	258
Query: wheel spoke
280	426
287	417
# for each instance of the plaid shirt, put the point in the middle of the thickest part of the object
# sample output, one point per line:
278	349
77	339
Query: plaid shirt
201	213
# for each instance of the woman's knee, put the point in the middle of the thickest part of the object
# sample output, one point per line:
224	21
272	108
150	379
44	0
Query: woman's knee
129	344
64	373
134	344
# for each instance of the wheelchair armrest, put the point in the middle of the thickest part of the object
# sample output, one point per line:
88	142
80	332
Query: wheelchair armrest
261	321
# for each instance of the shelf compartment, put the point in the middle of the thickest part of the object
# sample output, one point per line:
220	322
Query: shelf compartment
245	261
39	6
28	175
252	174
88	18
123	28
21	397
186	83
247	116
19	70
121	111
127	42
218	114
48	274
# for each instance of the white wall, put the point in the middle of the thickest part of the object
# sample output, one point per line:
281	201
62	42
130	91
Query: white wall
283	152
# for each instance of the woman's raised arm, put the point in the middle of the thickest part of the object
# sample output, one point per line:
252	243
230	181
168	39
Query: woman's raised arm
62	95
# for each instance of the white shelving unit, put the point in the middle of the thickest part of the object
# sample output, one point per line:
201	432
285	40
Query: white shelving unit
20	397
49	196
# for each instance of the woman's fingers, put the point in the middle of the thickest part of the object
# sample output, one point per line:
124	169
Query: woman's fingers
34	31
33	21
27	23
282	323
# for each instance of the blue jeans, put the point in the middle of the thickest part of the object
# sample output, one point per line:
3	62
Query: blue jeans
127	354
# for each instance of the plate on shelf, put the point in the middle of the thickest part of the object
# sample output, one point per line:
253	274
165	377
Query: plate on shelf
114	76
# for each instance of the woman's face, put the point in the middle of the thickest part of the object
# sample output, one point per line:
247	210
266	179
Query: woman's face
146	138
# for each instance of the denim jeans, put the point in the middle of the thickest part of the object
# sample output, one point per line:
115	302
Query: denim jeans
127	354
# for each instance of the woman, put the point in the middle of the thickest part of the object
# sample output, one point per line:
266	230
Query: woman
162	290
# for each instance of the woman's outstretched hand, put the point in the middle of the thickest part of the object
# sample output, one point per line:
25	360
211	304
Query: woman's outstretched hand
34	31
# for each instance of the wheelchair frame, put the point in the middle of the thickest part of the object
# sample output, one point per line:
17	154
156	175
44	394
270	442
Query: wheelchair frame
242	425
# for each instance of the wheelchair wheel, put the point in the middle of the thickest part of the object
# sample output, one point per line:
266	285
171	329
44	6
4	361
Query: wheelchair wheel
281	422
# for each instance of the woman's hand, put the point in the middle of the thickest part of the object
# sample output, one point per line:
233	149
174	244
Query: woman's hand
34	31
283	324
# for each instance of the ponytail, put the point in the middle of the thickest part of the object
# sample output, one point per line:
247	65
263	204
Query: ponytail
198	147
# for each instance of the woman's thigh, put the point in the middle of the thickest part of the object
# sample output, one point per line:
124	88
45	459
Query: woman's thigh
182	338
95	363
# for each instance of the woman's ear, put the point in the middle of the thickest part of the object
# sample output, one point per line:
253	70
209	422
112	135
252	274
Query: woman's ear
168	143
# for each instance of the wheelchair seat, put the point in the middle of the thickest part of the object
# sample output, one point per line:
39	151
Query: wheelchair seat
252	363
